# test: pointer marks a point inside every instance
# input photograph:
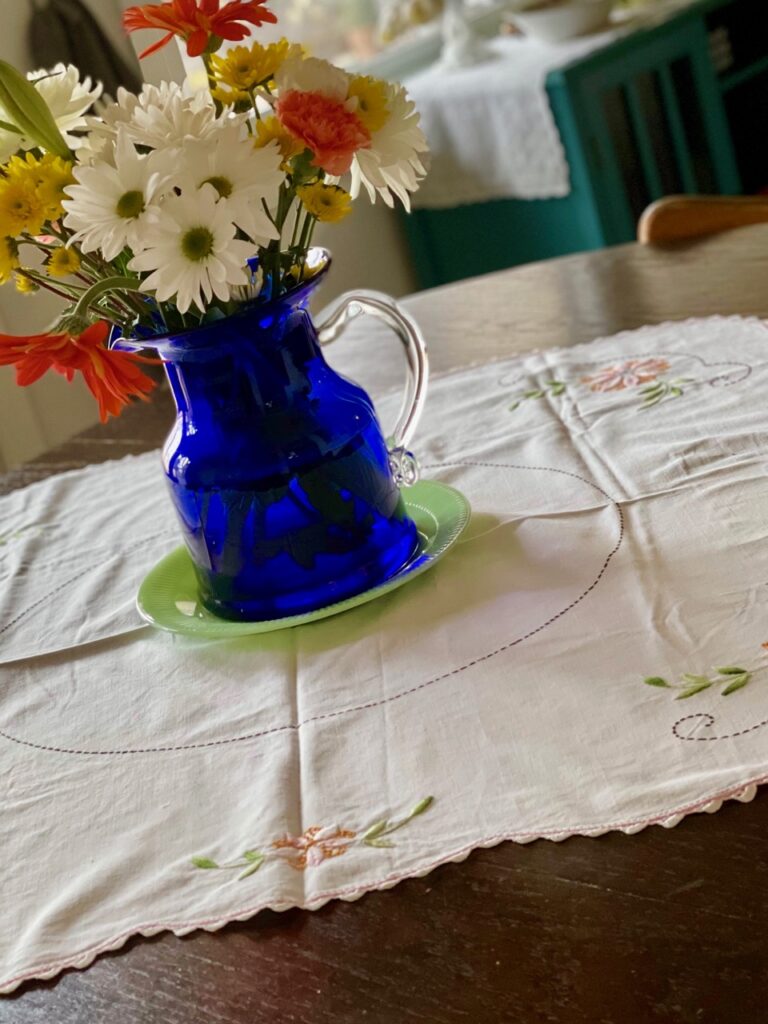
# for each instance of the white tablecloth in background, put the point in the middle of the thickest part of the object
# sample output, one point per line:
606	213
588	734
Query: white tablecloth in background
609	542
490	129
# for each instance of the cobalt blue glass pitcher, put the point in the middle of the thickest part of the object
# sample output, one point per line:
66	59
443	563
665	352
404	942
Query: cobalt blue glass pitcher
286	490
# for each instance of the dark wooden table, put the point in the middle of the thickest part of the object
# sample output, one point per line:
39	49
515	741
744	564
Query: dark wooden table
663	926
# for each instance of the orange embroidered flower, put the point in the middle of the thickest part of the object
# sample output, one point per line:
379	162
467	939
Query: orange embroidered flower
314	846
198	21
626	375
324	125
112	377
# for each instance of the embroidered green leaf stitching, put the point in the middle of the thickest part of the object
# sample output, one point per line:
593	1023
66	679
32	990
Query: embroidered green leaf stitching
661	389
327	843
730	677
6	538
554	387
204	862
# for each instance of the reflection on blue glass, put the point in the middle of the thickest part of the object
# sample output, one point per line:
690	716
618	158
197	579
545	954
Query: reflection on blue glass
277	467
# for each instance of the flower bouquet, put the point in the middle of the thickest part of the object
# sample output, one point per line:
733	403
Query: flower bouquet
173	208
182	221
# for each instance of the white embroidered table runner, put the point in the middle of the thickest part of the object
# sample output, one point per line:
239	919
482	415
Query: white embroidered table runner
590	657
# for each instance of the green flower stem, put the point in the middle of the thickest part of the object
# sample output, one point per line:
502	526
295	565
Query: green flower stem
104	287
43	282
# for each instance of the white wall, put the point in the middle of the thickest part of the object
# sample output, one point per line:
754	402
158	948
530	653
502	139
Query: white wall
37	418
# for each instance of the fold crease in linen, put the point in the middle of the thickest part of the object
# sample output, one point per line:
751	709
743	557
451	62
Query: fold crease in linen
156	782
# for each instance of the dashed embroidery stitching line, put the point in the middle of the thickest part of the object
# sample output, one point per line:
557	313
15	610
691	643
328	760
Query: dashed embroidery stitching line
74	579
709	720
295	726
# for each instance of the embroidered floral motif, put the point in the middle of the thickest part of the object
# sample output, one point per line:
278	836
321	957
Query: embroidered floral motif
643	373
316	845
730	677
629	374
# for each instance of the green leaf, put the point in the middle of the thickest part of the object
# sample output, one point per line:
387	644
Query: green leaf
737	683
8	127
690	678
556	389
533	394
375	829
731	670
253	856
378	843
27	109
422	806
556	383
655	681
652	400
250	870
692	690
651	389
675	392
204	862
514	406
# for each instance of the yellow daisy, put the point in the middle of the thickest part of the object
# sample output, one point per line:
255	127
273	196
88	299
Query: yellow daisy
9	259
245	67
25	284
270	129
49	175
56	175
62	262
228	99
371	95
328	203
21	208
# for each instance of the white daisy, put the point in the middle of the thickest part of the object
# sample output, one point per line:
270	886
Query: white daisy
393	164
166	117
111	206
67	97
191	252
99	143
242	176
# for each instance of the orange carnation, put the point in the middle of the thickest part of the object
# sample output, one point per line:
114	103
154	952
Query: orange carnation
113	378
197	21
324	125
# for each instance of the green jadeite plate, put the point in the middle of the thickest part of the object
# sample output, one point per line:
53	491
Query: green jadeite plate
168	596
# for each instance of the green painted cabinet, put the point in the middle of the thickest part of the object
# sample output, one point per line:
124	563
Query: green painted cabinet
680	107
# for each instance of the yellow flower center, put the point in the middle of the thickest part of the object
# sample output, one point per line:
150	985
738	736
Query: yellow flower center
197	244
63	262
223	186
130	205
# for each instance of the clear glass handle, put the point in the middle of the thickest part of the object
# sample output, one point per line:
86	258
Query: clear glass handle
402	462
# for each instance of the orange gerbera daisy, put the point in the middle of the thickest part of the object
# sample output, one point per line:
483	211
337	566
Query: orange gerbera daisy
197	21
112	377
324	125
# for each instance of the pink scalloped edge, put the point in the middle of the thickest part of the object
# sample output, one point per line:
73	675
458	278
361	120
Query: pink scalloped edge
743	792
